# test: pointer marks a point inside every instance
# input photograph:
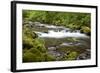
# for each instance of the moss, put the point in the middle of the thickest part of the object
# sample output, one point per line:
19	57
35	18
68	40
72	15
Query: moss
72	39
25	50
33	47
68	19
33	55
86	30
27	42
70	56
27	31
35	51
49	58
67	48
39	44
29	57
27	37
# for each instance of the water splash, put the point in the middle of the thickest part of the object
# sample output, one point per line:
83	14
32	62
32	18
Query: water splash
57	31
61	34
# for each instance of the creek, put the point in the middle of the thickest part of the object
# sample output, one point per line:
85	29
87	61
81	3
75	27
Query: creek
59	37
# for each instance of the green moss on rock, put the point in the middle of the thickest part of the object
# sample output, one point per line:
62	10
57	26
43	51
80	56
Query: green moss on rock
49	58
86	30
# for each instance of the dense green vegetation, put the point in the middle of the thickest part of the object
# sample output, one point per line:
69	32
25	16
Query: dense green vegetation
71	20
34	49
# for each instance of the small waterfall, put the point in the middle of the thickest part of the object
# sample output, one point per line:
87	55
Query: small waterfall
58	32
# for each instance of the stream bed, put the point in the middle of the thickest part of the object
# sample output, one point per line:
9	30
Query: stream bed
60	40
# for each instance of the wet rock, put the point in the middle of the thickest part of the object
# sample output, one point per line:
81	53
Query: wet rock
77	44
84	56
54	53
88	50
65	44
36	23
70	44
51	48
45	32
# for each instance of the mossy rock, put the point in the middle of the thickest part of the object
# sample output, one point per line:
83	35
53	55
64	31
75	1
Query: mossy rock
29	56
49	58
27	42
25	50
85	30
72	39
71	56
27	32
39	44
35	51
30	39
34	35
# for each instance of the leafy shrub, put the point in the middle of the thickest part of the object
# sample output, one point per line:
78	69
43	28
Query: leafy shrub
68	19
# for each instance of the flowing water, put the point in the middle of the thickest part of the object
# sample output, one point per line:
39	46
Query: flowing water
58	37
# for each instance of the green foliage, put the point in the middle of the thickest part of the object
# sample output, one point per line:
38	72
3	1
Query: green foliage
26	14
68	19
